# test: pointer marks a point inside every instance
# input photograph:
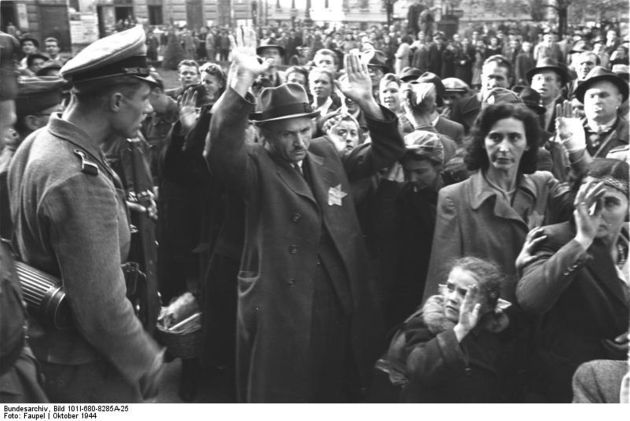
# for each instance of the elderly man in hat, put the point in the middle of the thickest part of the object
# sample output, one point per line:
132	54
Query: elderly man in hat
548	78
308	327
71	222
602	94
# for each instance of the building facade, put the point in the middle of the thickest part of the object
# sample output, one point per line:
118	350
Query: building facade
38	18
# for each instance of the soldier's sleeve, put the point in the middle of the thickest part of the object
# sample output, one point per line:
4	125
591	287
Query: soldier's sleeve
83	221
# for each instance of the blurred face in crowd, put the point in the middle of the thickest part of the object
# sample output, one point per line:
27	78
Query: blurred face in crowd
325	61
28	47
7	119
390	95
601	102
212	84
548	38
159	100
584	63
52	48
288	139
611	36
299	78
321	85
133	109
494	41
188	75
505	144
456	38
457	285
344	135
577	108
274	54
37	64
451	97
494	76
547	84
376	73
422	173
614	209
526	46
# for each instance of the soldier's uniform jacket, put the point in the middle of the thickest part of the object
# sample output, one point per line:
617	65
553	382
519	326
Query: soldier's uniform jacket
70	221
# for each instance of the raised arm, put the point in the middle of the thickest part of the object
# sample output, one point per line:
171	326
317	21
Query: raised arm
225	150
387	144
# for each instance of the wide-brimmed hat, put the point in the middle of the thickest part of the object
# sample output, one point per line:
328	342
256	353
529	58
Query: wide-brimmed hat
598	74
532	99
262	48
286	101
549	64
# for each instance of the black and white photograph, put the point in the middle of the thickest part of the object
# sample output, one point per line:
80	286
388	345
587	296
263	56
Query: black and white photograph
363	202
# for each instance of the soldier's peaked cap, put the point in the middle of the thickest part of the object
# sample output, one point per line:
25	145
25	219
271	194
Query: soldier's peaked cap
121	54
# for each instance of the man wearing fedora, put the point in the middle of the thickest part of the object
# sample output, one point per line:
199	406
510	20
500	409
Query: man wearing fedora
548	78
309	328
602	94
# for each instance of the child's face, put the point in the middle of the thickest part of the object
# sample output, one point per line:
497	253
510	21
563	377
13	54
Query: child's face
457	285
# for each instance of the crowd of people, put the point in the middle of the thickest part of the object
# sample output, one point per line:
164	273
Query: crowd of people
362	217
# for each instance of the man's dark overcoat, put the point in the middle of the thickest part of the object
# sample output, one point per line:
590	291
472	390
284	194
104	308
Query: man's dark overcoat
284	222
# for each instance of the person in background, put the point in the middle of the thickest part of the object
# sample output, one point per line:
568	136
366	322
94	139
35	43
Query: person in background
274	53
454	90
188	75
602	94
321	83
34	62
28	45
496	72
523	63
326	59
548	78
299	75
389	93
51	46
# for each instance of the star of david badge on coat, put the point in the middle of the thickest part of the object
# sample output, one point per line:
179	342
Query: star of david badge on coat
335	195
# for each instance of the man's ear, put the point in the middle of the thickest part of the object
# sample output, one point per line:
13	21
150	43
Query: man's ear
115	101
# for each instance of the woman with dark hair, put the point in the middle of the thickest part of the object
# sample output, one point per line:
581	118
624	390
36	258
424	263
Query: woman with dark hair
456	347
489	214
575	278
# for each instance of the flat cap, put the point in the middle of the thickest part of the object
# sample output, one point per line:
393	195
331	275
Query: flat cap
38	93
453	84
121	54
500	95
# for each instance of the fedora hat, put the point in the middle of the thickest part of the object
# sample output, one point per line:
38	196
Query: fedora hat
549	64
598	74
263	47
286	101
532	100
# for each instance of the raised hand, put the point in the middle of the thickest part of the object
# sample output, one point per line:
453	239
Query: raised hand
587	212
526	256
468	313
357	85
569	130
188	112
246	65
